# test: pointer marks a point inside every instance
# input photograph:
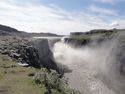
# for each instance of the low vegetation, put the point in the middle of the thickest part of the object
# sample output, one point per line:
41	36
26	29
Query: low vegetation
54	82
94	35
15	79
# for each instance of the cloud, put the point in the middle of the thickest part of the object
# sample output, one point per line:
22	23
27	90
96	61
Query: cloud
36	17
109	1
114	24
105	1
102	11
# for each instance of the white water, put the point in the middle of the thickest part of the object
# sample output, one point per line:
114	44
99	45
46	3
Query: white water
95	69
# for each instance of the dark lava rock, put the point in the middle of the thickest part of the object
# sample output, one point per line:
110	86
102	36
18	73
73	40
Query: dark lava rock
19	49
45	54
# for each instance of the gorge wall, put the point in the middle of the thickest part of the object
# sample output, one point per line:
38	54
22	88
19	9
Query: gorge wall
45	54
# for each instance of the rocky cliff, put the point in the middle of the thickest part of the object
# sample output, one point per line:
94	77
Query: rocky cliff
24	49
45	54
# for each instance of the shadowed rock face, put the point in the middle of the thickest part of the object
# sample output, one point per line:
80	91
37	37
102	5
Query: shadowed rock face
45	54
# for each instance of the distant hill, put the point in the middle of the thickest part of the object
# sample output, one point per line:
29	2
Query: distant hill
6	30
44	34
96	31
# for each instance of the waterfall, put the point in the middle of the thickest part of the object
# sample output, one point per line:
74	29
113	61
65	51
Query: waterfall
94	69
91	69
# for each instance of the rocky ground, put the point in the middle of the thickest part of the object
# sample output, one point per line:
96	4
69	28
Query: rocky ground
19	49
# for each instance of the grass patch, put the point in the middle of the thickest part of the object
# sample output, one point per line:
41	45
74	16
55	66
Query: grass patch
1	76
16	78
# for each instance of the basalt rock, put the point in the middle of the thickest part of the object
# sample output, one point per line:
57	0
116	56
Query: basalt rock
34	52
45	54
30	56
19	49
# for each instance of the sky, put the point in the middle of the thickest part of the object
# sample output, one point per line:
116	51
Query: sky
62	16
